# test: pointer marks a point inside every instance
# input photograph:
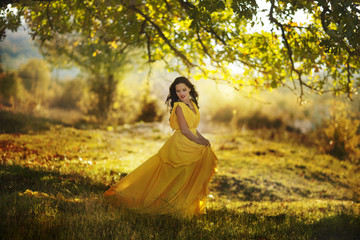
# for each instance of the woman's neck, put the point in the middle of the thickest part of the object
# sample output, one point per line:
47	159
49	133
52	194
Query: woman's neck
186	102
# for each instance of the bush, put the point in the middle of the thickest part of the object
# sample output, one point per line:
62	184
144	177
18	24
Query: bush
224	114
13	95
340	135
36	76
71	95
9	84
149	111
259	121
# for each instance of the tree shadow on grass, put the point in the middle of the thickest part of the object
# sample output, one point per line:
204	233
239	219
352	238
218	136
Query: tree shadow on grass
24	123
245	189
323	177
38	204
251	189
216	224
47	218
39	218
341	226
19	179
230	224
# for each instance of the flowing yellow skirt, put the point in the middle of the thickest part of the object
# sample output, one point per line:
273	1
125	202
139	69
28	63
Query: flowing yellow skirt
173	181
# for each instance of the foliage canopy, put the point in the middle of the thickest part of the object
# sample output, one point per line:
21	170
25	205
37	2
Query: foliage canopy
247	43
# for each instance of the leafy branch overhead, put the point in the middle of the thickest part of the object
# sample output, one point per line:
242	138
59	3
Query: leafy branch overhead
304	45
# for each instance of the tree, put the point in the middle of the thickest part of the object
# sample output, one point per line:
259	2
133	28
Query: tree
76	34
211	38
35	75
101	62
9	19
12	92
71	94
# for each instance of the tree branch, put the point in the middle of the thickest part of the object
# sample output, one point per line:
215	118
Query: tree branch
148	46
187	62
341	41
348	77
186	5
287	46
189	6
213	32
48	16
204	47
168	6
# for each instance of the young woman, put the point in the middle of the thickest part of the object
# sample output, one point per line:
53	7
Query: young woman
175	180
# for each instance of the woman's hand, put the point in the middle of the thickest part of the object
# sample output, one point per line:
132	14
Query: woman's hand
205	142
199	139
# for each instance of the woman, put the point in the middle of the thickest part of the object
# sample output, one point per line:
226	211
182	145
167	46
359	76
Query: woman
175	180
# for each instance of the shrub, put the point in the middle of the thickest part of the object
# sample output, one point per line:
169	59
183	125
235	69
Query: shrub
13	94
339	135
36	75
71	95
259	121
149	111
224	114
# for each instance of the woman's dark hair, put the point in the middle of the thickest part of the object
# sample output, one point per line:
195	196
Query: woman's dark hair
172	97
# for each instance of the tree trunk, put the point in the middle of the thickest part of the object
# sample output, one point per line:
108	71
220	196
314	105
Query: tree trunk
105	87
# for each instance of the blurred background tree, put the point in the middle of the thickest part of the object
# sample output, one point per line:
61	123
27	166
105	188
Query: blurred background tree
13	94
35	76
11	88
78	37
102	65
70	95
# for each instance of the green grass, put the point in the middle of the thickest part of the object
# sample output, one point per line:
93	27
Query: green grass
52	184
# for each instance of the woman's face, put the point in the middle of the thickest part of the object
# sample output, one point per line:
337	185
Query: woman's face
183	92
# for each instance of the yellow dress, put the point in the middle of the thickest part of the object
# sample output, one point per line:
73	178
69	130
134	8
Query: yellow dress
174	180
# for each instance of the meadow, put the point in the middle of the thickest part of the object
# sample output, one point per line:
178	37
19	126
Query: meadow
53	177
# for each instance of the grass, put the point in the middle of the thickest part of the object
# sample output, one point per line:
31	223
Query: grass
23	123
52	182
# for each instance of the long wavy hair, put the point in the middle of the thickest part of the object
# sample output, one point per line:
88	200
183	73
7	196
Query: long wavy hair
172	97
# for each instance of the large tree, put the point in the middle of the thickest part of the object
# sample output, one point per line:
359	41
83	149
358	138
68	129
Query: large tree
102	63
71	35
220	39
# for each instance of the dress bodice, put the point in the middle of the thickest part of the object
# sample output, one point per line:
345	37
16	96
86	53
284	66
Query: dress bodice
192	118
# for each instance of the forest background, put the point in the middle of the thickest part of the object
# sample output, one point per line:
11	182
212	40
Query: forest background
278	99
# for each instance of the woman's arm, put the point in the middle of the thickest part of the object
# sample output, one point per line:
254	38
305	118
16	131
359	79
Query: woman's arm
185	129
202	137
